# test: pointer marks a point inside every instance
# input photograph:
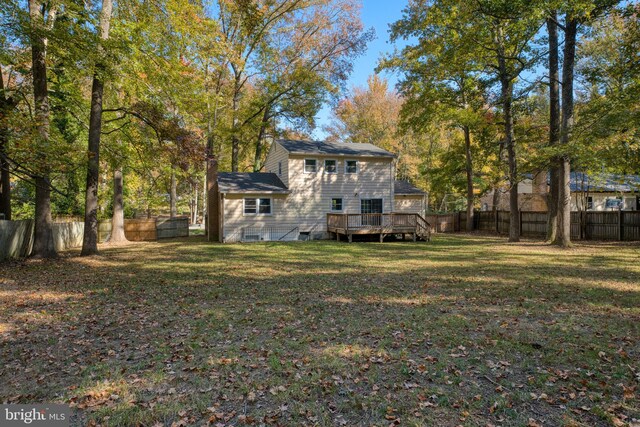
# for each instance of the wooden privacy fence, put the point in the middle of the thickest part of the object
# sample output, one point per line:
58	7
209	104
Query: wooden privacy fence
16	237
148	230
613	225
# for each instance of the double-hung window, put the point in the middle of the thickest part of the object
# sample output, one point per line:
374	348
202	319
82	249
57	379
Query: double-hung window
310	165
255	206
350	166
331	166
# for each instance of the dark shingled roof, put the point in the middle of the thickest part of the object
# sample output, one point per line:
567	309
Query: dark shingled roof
405	187
333	148
604	182
258	182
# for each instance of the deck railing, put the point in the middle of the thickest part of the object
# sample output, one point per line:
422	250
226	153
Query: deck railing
355	222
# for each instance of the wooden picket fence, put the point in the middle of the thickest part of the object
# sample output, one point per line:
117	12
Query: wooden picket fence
612	225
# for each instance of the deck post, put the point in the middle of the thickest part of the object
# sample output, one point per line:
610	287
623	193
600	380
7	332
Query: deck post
381	237
415	237
350	238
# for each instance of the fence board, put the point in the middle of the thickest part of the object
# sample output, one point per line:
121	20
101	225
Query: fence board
503	222
614	225
602	226
534	224
167	228
486	221
631	225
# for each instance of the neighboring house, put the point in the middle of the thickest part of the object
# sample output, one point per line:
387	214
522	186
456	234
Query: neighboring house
605	192
601	192
306	180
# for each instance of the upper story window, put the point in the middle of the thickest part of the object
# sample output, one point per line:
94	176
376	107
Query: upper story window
589	203
310	165
279	168
254	206
331	166
350	166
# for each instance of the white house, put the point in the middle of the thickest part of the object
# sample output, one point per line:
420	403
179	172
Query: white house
306	180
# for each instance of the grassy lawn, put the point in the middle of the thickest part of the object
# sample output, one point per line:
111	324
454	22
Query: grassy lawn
465	330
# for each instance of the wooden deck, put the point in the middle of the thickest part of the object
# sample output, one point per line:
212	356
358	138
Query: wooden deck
382	224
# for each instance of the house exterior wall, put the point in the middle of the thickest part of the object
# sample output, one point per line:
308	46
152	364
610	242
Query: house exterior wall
278	156
309	200
532	196
235	220
410	204
599	201
311	193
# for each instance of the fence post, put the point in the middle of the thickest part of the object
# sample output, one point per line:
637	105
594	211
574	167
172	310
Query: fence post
496	212
620	225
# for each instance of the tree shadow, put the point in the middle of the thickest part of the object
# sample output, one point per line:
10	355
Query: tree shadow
183	325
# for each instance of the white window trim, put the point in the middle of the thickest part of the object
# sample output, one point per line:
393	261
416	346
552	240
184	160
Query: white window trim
324	165
257	199
304	165
341	203
357	166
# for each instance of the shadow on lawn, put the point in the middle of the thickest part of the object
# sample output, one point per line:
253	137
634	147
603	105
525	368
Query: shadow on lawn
214	323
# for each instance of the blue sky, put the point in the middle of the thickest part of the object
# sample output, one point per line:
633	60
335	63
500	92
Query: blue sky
377	14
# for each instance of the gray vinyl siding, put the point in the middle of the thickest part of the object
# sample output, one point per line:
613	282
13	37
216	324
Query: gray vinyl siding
277	154
235	219
311	193
409	204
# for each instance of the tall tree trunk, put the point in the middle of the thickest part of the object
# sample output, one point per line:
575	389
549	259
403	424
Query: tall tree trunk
469	169
204	198
235	141
5	176
194	219
563	237
257	160
173	196
496	186
117	219
506	86
6	104
213	204
90	238
43	237
554	127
